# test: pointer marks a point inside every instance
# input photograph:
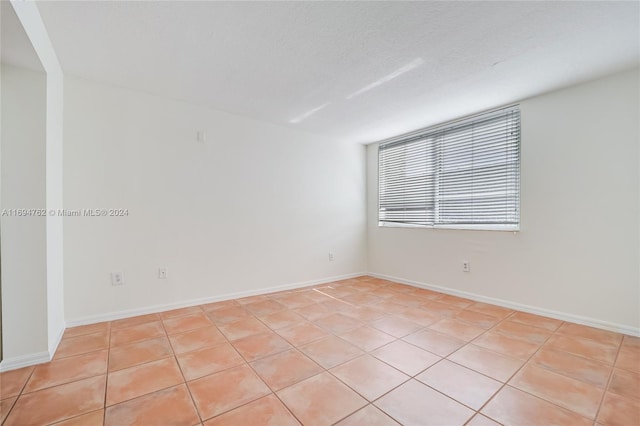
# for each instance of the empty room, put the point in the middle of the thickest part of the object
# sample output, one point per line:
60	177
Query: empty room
319	213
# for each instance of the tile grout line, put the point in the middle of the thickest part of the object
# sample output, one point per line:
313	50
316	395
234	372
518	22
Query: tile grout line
257	375
476	411
529	393
505	383
275	394
19	395
609	379
106	381
173	352
324	370
368	353
235	366
367	323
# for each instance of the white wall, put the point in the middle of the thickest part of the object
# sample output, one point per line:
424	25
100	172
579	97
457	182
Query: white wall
49	175
578	249
24	268
30	18
255	206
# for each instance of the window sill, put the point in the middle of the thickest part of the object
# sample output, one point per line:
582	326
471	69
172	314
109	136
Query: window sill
504	228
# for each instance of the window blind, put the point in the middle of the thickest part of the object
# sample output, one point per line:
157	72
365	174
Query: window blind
460	174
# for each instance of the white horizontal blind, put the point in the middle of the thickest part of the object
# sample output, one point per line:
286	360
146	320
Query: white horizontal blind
461	174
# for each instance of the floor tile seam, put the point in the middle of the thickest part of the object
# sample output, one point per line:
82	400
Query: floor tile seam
186	314
374	349
217	308
533	363
468	322
267	313
362	408
531	392
22	392
414	377
76	354
112	328
175	358
382	361
196	349
142	396
106	380
610	378
364	352
74	380
492	329
67	338
336	333
424	384
612	345
273	330
431	352
117	346
500	332
186	385
451	335
507	383
408	378
274	393
541	399
480	414
77	416
13	404
479	372
51	387
261	357
186	382
541	346
475	410
333	297
162	358
190	329
301	344
555	333
337	378
87	333
626	369
531	325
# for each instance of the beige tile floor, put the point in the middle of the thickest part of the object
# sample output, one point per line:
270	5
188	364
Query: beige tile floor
363	351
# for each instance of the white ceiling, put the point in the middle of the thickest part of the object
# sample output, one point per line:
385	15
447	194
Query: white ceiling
357	70
15	47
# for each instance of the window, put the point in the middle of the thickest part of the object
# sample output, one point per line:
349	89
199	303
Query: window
464	174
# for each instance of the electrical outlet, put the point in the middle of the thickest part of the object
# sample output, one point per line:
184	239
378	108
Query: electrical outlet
163	273
331	257
117	278
466	266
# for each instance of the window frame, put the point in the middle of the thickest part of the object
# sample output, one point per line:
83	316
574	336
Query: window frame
469	226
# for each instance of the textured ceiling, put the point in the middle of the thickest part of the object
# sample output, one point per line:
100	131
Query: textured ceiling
361	71
15	47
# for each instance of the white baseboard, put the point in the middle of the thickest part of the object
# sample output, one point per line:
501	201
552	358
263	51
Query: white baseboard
591	322
111	316
53	346
24	361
